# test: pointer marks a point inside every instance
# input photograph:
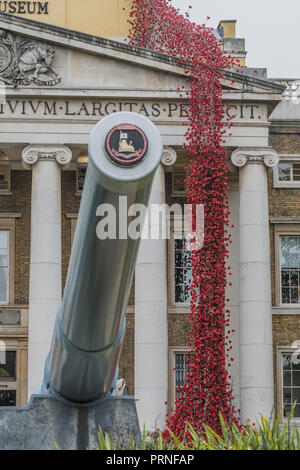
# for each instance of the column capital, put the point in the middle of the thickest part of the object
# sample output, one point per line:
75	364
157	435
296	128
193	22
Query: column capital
32	153
169	156
267	156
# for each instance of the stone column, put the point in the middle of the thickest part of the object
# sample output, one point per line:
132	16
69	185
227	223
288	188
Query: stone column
256	354
151	322
45	290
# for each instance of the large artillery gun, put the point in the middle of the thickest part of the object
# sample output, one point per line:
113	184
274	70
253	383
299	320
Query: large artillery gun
82	366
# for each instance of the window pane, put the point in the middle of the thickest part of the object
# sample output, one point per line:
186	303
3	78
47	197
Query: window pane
187	259
3	258
295	395
179	258
81	173
4	177
290	269
294	296
181	367
178	181
287	408
286	298
284	172
285	278
8	367
187	276
287	395
296	379
287	362
291	385
294	278
179	276
296	366
290	252
4	239
287	378
296	172
3	284
178	242
297	411
8	398
183	271
179	294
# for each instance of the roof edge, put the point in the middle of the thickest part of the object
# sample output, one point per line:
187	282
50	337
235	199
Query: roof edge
127	48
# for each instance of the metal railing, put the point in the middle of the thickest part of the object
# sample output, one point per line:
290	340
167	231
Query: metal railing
292	92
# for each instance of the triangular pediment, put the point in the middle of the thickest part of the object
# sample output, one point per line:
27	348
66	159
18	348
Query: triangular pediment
34	54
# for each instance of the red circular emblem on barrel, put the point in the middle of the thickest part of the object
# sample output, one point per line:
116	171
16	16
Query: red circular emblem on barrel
126	145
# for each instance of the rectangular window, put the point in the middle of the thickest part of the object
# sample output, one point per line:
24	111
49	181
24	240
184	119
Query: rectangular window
182	269
80	177
8	378
4	266
179	180
8	397
290	384
8	366
288	171
290	269
4	178
180	369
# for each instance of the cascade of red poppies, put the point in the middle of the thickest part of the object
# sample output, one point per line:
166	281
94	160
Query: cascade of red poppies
157	25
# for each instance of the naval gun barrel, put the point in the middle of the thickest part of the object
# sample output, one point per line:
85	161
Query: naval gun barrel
82	366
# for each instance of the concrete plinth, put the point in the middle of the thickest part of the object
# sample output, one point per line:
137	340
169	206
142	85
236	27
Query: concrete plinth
48	422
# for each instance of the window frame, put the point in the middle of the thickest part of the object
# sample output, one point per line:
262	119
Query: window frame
280	351
78	167
171	265
6	192
8	266
282	230
180	166
172	352
7	224
14	378
286	158
81	162
9	385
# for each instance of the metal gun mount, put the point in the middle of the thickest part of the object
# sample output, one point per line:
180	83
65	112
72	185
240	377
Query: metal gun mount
82	367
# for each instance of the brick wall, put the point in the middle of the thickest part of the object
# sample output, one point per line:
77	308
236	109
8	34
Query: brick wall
178	328
20	201
70	205
284	203
126	364
285	139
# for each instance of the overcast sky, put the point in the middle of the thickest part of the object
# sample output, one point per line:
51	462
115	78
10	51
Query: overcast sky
270	27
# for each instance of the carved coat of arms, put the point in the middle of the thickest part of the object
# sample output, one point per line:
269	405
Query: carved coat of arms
23	62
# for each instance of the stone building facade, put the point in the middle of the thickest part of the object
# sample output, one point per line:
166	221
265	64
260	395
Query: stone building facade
45	119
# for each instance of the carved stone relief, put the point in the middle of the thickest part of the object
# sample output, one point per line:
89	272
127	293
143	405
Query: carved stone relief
24	62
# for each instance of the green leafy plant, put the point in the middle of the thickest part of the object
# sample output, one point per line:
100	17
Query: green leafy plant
273	435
